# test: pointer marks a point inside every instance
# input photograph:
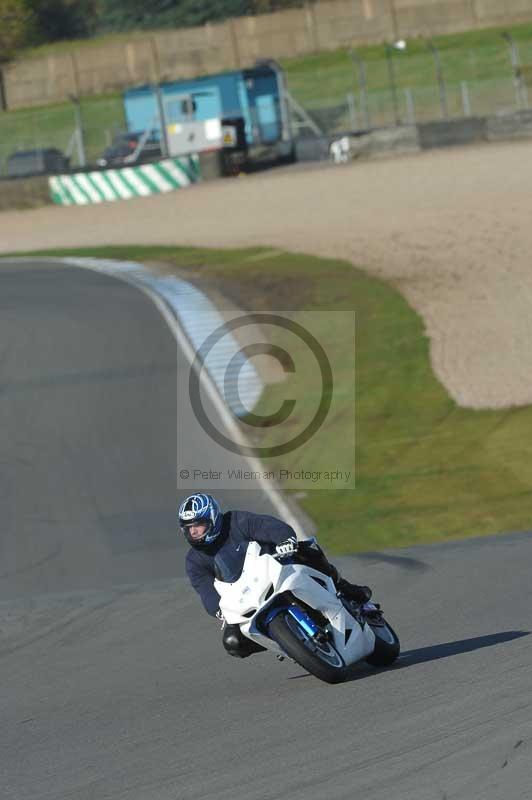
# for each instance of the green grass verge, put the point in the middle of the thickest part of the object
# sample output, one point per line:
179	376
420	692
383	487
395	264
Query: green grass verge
426	470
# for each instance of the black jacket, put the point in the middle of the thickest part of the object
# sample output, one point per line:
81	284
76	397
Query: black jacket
224	558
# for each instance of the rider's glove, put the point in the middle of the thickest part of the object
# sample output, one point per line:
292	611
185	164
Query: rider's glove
286	548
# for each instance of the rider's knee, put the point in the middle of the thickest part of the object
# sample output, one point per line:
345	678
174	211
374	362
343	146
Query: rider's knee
232	642
238	645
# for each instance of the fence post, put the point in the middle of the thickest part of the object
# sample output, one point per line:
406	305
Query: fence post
364	102
162	121
80	139
466	103
520	87
439	77
3	99
362	85
352	110
393	83
410	107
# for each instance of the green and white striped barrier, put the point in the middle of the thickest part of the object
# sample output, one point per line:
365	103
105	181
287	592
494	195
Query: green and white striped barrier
122	184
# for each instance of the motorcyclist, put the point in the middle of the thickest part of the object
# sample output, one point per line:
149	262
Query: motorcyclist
218	543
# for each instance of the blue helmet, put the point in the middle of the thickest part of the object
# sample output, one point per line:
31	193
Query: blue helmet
199	508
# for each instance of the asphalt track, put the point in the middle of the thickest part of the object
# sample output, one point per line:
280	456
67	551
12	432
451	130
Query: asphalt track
113	683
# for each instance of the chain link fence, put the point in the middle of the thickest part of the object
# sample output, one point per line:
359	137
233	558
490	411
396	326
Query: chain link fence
333	93
410	83
363	111
80	131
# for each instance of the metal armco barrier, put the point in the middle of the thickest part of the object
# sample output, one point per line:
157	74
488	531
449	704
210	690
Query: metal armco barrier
110	185
406	139
445	133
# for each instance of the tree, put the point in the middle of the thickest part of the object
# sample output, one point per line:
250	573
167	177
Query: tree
63	19
120	15
16	27
265	6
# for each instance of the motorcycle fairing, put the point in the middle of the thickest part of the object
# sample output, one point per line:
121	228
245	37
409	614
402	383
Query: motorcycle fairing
266	583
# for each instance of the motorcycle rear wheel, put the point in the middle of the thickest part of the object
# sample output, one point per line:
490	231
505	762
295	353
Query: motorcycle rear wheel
320	659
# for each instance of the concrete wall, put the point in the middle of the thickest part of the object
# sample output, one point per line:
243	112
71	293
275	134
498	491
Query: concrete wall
237	43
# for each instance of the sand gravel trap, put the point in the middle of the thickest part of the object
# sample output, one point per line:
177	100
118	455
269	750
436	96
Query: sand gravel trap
452	229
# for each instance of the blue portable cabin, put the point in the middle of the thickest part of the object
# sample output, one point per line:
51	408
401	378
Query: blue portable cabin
253	95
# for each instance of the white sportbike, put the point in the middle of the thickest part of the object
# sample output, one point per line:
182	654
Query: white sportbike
288	607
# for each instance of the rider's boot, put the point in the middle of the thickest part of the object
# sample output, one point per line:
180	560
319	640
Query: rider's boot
316	558
351	591
373	613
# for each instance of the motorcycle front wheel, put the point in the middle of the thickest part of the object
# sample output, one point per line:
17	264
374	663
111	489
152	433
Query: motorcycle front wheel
387	646
320	658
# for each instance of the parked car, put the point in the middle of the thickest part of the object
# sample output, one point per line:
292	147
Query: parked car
131	148
43	161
